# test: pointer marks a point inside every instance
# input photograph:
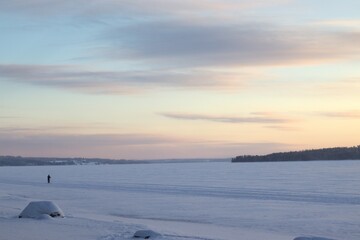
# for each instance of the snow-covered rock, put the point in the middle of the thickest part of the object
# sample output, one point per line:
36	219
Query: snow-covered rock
146	234
41	210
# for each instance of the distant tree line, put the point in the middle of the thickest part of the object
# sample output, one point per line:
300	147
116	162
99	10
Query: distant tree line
337	153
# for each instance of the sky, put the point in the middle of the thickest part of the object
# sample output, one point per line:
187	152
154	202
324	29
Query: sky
163	79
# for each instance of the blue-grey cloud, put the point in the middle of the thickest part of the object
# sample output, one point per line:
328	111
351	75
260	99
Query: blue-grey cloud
146	32
129	7
116	82
254	118
181	43
22	138
179	51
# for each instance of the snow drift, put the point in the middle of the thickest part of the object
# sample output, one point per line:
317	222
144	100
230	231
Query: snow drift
41	209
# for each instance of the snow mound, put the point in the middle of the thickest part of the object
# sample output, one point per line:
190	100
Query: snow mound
146	234
312	238
41	210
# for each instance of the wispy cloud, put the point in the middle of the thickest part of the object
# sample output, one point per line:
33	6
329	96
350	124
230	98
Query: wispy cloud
182	43
147	33
83	140
117	82
283	128
129	7
252	118
52	129
355	114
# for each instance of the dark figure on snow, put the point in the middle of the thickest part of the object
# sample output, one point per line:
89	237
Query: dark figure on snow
48	177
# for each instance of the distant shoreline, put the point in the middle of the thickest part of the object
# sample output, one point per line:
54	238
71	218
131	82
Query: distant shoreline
324	154
10	161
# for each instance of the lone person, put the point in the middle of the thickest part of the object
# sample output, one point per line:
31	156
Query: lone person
48	177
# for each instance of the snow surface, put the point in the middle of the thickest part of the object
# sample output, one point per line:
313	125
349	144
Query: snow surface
183	201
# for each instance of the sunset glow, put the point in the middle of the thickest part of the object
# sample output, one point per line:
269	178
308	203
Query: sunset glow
160	79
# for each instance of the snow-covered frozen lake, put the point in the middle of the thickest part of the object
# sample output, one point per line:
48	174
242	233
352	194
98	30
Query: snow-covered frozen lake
186	200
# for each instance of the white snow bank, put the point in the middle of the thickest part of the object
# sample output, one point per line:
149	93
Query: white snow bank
312	238
41	209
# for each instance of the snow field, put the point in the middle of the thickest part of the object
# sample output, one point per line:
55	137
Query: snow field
186	201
